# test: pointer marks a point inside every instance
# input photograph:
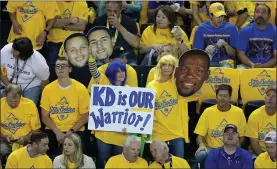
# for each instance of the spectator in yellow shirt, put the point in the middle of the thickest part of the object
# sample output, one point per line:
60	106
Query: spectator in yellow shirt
167	124
214	119
163	159
72	19
33	155
19	119
130	156
32	19
262	121
268	158
65	105
164	31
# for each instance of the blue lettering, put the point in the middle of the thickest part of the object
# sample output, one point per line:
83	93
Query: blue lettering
97	100
108	118
98	120
131	118
110	97
114	116
139	119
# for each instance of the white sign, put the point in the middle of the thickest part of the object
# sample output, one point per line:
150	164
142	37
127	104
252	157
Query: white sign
113	108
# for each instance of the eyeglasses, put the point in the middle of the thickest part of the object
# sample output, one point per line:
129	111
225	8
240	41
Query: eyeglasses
62	66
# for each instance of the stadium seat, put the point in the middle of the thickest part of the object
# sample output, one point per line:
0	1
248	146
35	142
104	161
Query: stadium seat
210	102
254	82
250	106
220	75
142	73
144	26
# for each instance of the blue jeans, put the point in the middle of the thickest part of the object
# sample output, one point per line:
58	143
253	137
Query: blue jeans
201	156
105	151
52	52
177	147
33	94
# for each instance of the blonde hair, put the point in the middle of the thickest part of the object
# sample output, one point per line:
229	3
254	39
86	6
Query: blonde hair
78	154
167	59
175	51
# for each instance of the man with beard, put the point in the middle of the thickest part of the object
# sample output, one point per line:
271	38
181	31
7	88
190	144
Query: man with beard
33	155
76	49
257	41
229	155
268	158
214	119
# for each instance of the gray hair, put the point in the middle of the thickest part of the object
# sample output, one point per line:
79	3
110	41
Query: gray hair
15	88
130	139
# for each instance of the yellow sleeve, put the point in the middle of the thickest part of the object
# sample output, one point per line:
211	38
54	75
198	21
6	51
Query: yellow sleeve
110	164
155	165
242	126
35	122
194	2
239	5
84	100
50	10
146	36
186	165
12	6
257	163
44	101
186	40
150	76
132	78
201	127
102	81
83	10
12	161
252	127
49	163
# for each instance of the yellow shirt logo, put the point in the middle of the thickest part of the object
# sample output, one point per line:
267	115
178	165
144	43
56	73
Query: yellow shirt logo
218	131
217	77
66	14
62	109
27	10
262	81
269	127
32	167
165	103
12	124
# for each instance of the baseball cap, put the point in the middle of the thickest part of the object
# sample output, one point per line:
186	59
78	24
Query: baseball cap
270	88
272	136
217	9
228	126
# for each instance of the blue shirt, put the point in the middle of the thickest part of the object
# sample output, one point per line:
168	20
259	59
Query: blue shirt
206	34
240	159
258	44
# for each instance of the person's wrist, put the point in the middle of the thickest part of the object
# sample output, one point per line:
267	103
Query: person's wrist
46	32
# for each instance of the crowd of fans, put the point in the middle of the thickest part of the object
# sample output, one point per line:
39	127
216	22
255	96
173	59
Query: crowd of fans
43	123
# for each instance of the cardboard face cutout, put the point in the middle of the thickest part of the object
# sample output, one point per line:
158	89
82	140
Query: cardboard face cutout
192	72
100	44
77	50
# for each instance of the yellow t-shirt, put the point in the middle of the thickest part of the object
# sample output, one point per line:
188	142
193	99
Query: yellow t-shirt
73	9
177	162
162	36
119	161
20	121
167	124
212	123
70	165
259	124
272	5
32	16
150	76
263	161
20	159
65	106
232	7
131	80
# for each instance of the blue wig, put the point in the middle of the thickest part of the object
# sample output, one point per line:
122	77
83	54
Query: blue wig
113	68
